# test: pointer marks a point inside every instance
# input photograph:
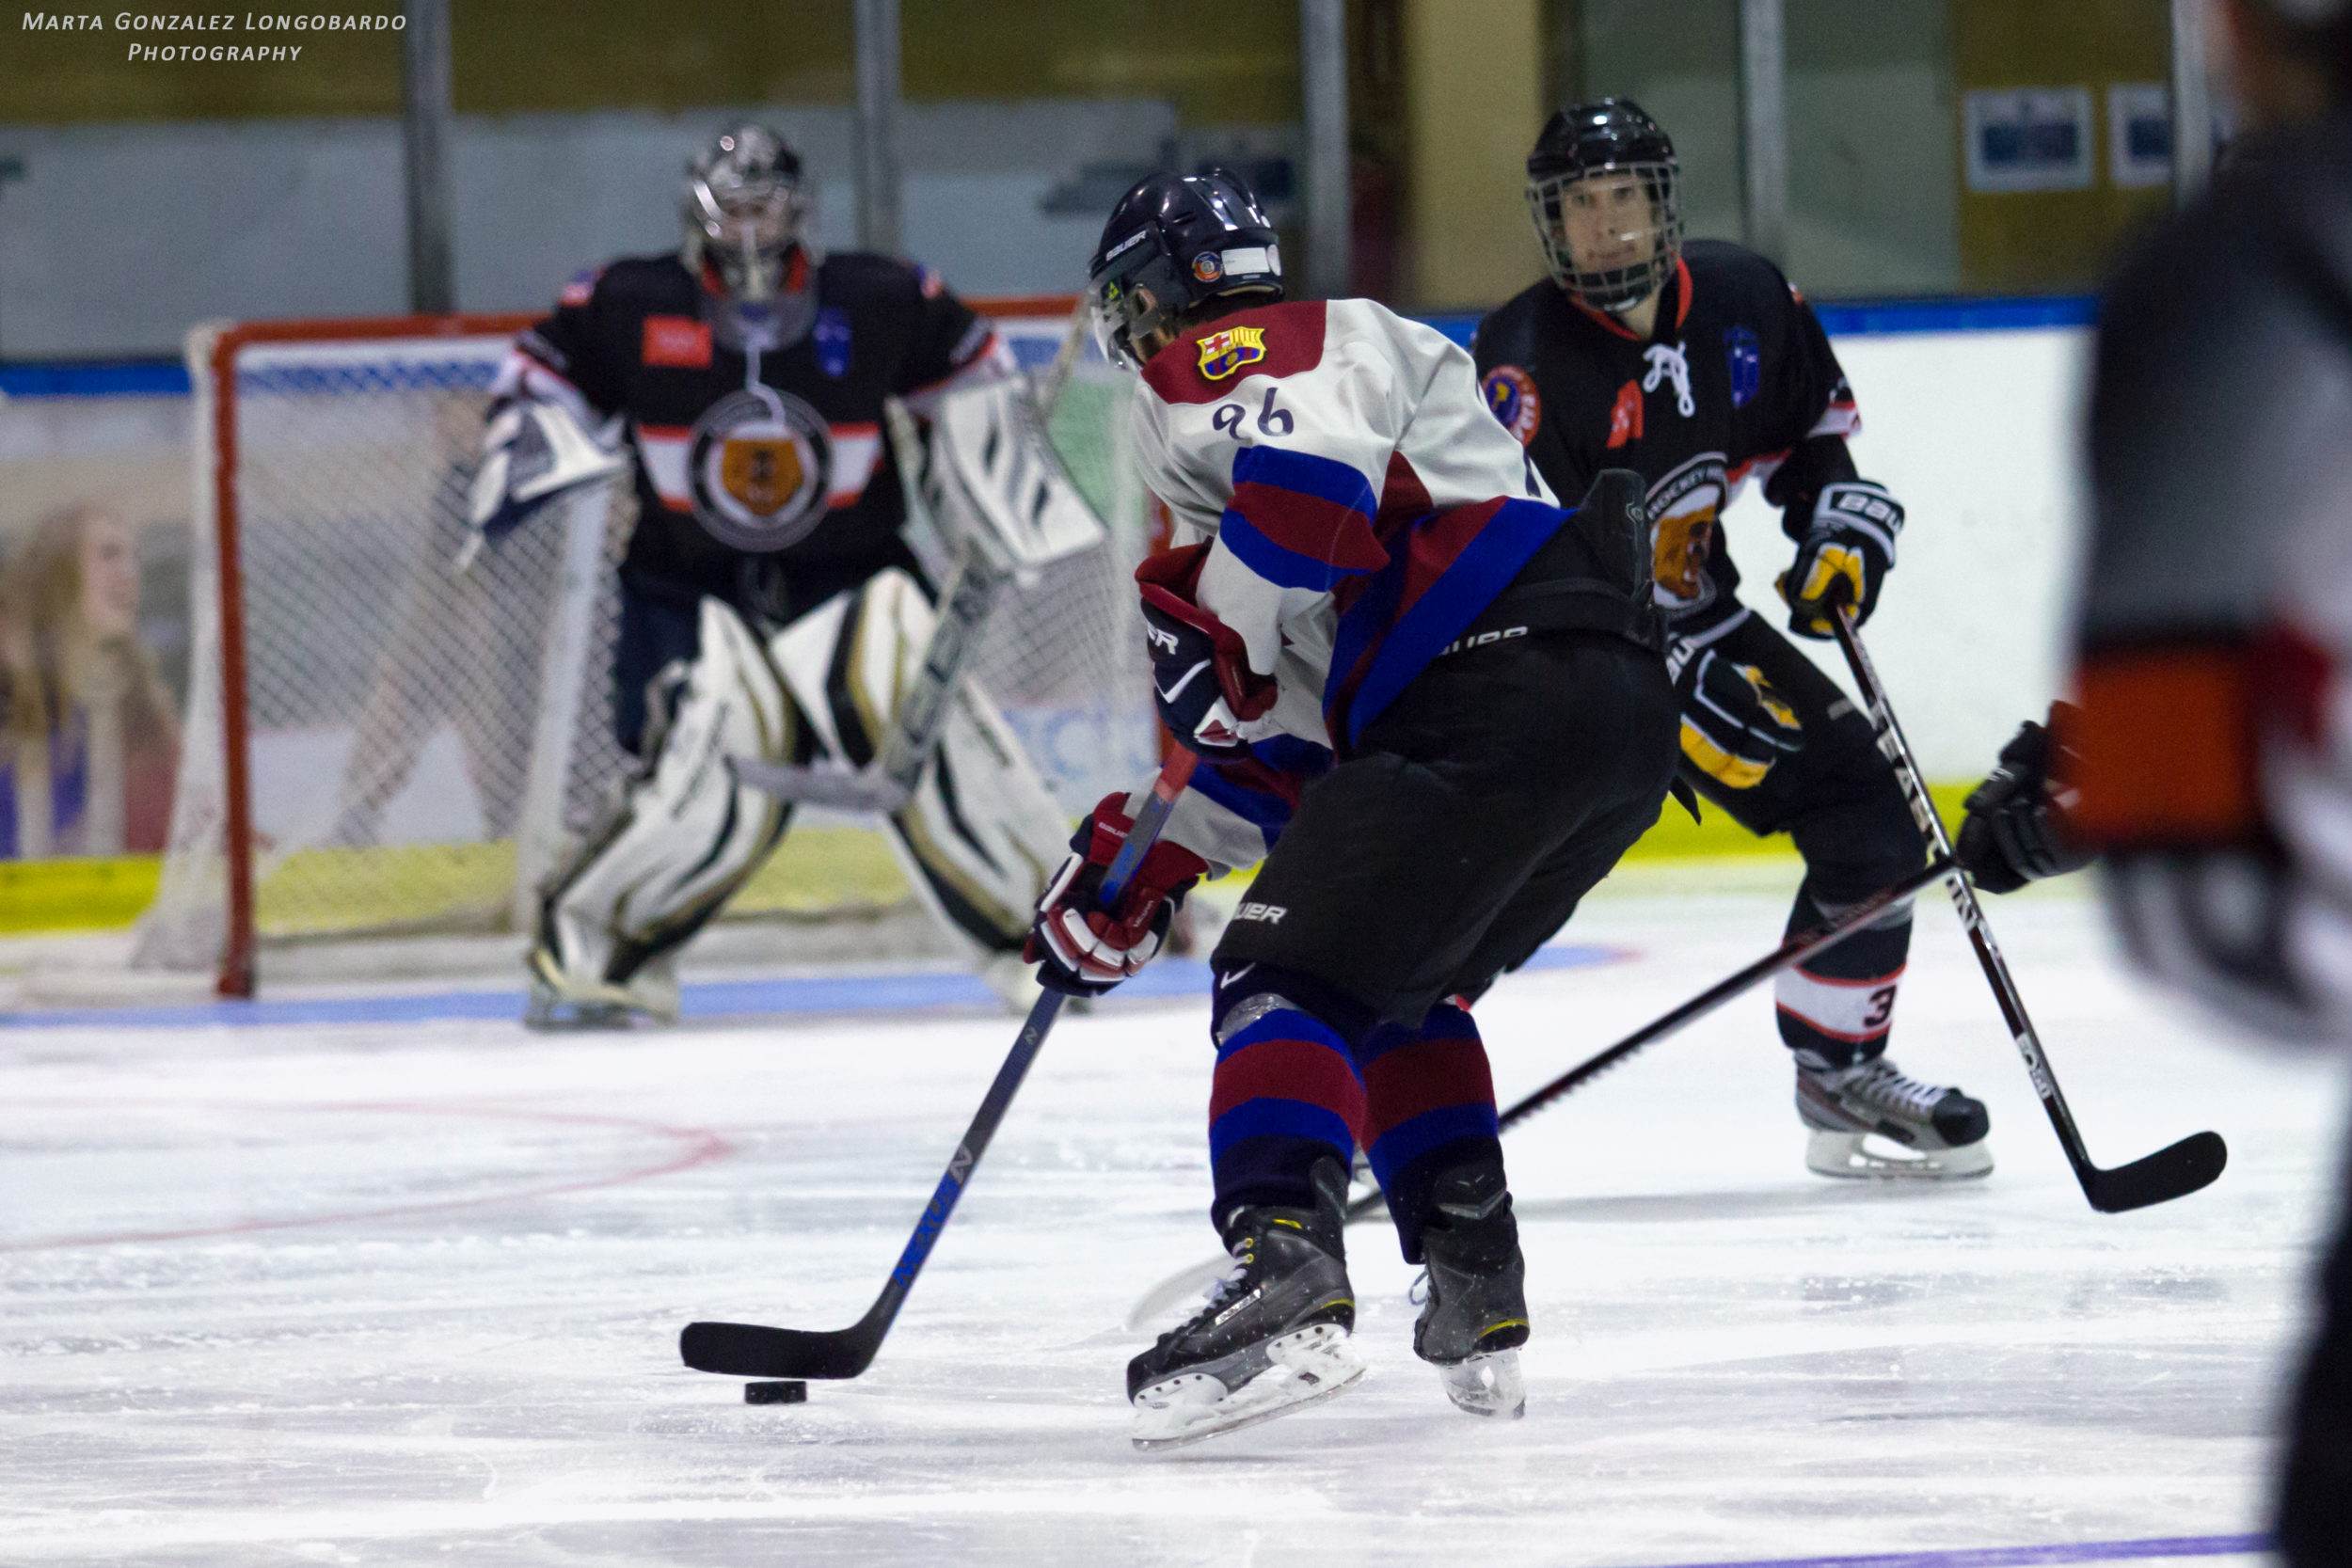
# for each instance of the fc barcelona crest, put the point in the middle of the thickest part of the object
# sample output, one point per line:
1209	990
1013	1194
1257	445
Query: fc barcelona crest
758	467
1233	349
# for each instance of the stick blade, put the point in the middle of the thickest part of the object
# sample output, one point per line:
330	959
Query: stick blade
753	1350
2171	1172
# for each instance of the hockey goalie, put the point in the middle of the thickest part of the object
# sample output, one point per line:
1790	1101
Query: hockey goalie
774	617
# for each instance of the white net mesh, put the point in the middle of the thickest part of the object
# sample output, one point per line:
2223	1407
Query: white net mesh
420	744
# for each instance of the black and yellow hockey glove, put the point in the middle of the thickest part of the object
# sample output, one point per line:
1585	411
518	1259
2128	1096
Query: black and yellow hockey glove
1735	726
1844	558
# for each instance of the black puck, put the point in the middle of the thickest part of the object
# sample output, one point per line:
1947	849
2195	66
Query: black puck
775	1393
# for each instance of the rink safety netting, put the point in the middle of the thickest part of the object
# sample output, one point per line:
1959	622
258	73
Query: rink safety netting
424	745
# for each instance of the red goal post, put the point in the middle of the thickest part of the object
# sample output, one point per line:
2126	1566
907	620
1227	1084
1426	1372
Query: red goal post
313	440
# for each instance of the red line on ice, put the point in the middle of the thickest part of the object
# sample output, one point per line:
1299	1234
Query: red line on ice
699	1146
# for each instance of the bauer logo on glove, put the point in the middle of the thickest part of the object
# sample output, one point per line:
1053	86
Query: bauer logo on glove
1844	558
1209	697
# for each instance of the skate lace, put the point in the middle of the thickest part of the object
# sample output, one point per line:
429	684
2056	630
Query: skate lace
1221	1290
1880	1085
1418	1291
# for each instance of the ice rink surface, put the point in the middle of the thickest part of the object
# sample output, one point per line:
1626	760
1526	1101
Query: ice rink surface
379	1282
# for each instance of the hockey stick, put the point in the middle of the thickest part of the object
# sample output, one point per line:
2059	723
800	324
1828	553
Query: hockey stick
1795	950
2174	1171
749	1349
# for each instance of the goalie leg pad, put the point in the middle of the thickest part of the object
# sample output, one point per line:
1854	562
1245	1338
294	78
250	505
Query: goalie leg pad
982	835
683	837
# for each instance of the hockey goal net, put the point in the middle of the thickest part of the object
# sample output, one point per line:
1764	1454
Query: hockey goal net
377	746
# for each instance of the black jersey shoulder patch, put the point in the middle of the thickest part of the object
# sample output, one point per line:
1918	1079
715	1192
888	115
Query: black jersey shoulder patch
1511	397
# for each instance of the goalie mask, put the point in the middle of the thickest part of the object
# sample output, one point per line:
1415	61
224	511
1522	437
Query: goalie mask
743	212
1175	243
1601	186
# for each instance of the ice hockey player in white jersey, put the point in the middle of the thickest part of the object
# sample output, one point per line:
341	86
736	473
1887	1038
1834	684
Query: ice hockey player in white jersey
1434	703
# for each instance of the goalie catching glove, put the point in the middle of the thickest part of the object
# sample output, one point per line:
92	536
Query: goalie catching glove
1844	556
1209	697
531	452
1084	949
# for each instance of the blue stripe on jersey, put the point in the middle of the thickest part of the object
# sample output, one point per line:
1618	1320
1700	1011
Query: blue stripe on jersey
1307	474
1262	810
1360	629
1473	581
1284	568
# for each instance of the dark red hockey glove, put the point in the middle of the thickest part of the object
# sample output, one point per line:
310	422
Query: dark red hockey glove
1208	696
1083	949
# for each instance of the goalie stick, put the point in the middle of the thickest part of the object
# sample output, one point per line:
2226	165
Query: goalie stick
2173	1171
1189	1282
751	1349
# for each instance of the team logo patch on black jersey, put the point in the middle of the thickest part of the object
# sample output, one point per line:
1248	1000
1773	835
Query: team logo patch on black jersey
1685	506
676	342
831	338
759	465
1511	396
1744	357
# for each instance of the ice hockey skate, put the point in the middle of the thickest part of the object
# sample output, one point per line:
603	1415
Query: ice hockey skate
1855	1113
1272	1336
560	1001
1473	1317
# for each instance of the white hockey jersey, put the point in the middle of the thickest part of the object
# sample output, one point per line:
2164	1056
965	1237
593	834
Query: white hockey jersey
1360	508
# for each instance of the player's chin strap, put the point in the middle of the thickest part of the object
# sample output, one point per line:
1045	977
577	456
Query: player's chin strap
987	496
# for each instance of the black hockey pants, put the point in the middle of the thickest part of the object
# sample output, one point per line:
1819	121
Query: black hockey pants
1480	807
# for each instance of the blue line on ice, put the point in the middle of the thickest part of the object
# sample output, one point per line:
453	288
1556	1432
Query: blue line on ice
2162	1547
832	993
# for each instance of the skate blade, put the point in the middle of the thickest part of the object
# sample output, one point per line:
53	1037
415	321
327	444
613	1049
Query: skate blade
1851	1156
1489	1385
557	1005
566	1015
1310	1365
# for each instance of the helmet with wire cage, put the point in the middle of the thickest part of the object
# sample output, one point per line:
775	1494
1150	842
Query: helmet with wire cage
1603	189
744	211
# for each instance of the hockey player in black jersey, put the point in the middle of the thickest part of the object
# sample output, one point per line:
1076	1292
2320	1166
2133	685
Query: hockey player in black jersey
1700	368
767	597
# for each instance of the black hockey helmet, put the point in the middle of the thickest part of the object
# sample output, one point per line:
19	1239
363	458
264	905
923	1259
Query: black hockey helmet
744	214
1173	243
1613	243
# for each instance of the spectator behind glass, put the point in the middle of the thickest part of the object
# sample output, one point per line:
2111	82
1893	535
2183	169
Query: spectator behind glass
88	739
